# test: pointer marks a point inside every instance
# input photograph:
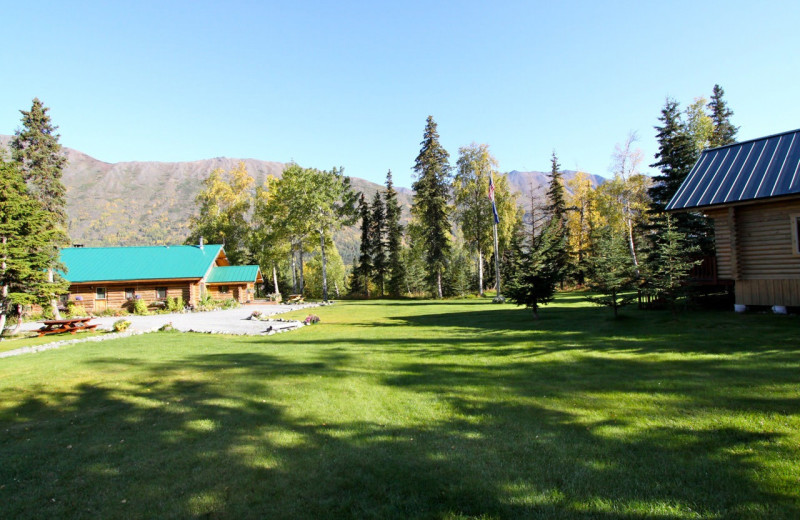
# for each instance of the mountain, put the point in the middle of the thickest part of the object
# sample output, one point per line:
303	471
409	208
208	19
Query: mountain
149	203
527	183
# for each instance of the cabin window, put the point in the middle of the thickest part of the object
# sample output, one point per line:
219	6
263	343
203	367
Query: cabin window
223	289
100	293
161	293
796	234
130	293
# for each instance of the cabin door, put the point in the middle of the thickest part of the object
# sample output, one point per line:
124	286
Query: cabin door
100	299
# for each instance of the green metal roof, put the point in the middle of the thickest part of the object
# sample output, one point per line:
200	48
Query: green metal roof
95	264
233	274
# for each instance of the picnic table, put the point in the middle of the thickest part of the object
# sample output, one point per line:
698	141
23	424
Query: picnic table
71	325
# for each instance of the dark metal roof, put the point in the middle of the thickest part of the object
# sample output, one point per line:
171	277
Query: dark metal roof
756	169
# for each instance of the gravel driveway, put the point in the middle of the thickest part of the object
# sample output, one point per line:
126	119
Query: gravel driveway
231	321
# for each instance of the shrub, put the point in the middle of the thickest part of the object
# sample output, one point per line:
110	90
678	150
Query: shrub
275	297
311	319
175	304
167	327
228	303
255	315
140	307
76	309
121	325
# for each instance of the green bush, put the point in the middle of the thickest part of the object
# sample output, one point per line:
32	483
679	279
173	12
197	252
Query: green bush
228	303
175	304
140	307
76	309
121	325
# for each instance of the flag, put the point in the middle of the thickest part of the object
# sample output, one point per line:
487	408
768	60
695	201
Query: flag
491	197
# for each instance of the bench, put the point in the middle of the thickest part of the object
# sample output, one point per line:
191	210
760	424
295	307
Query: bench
295	298
72	326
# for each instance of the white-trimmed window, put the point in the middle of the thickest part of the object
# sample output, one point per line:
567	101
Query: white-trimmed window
100	293
223	289
161	293
130	293
796	234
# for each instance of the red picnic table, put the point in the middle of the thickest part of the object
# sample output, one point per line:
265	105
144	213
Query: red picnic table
71	325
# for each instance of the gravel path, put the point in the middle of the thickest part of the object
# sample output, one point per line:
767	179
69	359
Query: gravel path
231	321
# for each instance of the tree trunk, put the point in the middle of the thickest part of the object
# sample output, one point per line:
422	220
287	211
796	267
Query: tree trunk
4	297
294	272
302	278
19	320
53	302
480	272
275	279
439	282
324	266
336	288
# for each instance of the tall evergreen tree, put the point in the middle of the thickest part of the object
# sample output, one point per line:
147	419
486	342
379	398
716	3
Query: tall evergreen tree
380	264
363	270
431	209
556	201
394	239
675	157
26	250
724	132
37	152
557	227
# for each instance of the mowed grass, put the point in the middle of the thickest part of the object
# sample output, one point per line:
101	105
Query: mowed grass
417	409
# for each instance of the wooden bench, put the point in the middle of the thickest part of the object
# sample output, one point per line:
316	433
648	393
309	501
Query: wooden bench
72	326
295	298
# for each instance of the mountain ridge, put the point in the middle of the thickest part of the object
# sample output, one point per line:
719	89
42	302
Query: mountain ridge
150	202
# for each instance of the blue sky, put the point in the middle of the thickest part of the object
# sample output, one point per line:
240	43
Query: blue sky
351	83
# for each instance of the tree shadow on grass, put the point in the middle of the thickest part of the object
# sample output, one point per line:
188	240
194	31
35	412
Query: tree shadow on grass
208	435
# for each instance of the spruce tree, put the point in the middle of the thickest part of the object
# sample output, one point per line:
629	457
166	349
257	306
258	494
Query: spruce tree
556	201
38	154
380	265
364	268
26	250
671	261
532	275
431	209
724	132
557	207
612	272
36	151
394	239
676	156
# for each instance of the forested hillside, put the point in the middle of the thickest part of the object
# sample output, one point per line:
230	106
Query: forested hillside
149	203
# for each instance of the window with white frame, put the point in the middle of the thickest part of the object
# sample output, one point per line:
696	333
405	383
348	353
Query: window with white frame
161	293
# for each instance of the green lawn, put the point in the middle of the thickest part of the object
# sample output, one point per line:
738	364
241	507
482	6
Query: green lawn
418	409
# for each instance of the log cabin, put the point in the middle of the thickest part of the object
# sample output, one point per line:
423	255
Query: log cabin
751	192
108	278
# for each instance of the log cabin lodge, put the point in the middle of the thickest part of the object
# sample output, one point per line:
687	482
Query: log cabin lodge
751	192
104	278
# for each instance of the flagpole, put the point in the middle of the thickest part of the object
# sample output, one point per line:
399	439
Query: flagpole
495	221
496	262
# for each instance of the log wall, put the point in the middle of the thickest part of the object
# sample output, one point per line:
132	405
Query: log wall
756	247
115	293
